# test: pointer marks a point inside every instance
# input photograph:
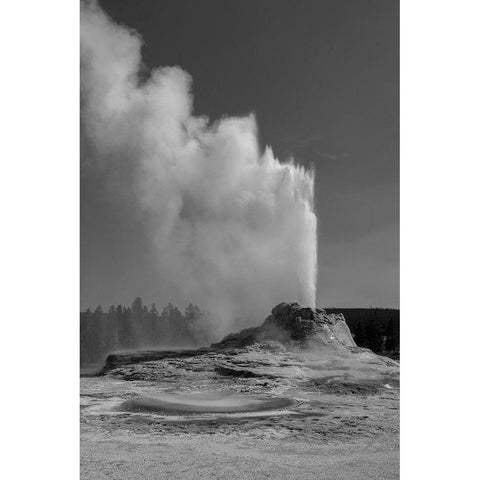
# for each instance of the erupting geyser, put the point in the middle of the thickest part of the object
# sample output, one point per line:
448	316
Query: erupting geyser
234	229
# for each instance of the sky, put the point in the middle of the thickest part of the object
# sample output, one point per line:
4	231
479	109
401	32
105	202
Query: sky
322	78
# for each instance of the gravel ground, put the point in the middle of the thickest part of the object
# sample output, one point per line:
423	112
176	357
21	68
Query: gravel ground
191	456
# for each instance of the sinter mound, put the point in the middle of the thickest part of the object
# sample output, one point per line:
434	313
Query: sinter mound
290	322
295	348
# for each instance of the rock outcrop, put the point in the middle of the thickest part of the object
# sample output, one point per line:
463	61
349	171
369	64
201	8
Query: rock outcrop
292	323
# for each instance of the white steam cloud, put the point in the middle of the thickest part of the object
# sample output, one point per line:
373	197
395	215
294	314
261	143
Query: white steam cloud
234	229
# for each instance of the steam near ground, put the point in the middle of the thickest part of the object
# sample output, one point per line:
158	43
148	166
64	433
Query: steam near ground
233	228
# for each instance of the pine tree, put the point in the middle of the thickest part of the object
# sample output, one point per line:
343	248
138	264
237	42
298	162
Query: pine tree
373	333
194	324
112	329
154	325
360	337
172	317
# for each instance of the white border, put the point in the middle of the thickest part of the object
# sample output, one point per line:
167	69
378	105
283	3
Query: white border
439	238
40	239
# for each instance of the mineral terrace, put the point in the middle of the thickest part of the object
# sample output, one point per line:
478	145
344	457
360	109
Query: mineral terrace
292	398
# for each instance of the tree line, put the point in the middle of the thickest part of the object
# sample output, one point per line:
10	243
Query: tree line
139	326
375	328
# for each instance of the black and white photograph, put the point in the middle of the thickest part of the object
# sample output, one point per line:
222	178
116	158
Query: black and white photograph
213	212
239	239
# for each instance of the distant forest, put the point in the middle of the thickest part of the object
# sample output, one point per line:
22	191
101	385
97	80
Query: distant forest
374	328
141	326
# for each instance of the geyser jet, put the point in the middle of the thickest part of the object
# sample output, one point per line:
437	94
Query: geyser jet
233	229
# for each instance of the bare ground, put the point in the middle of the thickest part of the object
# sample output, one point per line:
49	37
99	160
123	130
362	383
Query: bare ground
184	418
208	456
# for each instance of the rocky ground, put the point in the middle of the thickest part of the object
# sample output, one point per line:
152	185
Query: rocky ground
293	398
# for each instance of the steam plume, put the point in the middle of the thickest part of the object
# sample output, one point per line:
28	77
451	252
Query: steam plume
234	229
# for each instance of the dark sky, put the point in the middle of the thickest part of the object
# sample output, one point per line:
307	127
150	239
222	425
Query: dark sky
322	77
